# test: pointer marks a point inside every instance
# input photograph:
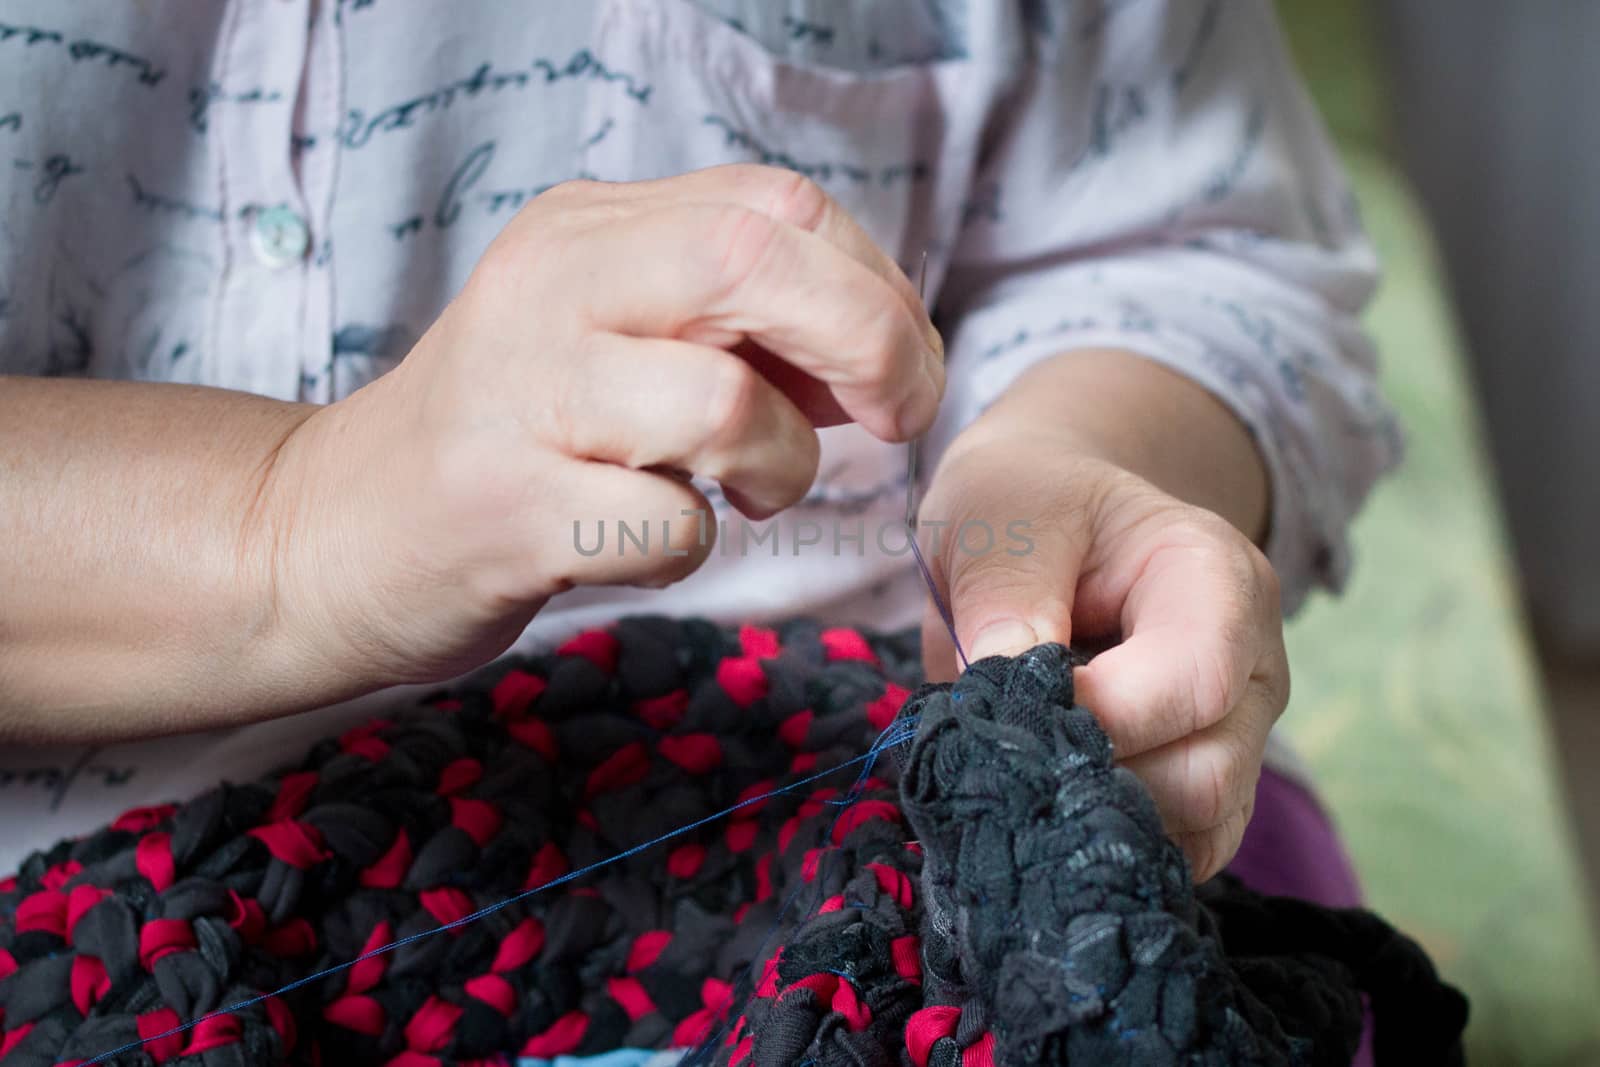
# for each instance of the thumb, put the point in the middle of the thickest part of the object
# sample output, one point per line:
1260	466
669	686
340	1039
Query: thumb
1010	587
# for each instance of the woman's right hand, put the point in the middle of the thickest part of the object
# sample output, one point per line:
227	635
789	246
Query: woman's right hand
614	338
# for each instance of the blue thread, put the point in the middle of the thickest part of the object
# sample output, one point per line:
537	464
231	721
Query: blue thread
944	612
890	736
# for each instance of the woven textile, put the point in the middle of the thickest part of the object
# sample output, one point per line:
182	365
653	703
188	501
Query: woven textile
994	892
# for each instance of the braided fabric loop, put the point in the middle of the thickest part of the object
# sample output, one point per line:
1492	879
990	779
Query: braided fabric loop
1017	905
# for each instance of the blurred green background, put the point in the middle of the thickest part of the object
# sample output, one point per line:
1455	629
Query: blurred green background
1417	698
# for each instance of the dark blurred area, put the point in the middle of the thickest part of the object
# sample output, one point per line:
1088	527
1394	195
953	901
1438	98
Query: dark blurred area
1449	701
1495	121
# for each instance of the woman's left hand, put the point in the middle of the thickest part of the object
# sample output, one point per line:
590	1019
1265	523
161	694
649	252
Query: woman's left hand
1199	674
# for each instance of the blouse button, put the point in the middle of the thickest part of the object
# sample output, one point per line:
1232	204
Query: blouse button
280	237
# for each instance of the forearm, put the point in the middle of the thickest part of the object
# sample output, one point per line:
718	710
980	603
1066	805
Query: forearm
135	574
1145	418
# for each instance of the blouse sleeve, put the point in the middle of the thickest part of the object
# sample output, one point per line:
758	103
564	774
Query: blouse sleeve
1161	183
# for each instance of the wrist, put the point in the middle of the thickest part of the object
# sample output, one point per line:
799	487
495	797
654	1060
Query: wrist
1135	414
304	561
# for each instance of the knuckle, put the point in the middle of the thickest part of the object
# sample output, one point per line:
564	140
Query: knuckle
877	363
1267	582
1211	779
733	403
1201	850
569	193
1212	687
741	240
568	418
797	199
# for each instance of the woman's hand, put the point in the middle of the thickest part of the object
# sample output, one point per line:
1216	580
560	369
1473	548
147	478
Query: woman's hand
614	339
1198	674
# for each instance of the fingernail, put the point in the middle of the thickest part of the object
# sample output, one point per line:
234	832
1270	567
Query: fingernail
1007	637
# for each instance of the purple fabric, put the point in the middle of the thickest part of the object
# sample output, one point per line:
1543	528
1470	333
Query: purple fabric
1291	849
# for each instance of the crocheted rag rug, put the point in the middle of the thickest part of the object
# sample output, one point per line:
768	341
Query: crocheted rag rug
996	891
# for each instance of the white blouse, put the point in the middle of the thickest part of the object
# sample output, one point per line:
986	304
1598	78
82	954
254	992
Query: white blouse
280	195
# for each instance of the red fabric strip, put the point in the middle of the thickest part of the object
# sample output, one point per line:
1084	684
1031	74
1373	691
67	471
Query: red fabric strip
549	863
769	975
447	904
685	861
408	1058
892	882
494	991
793	730
927	1026
433	1025
764	878
597	646
881	712
153	857
646	949
390	869
846	644
751	792
812	863
716	995
786	832
980	1053
293	938
863	811
296	843
694	1028
12	1038
906	952
45	909
665	711
479	819
80	901
281	1019
758	642
213	1032
537	735
823	985
156	1022
741	835
563	1036
361	1014
60	874
695	753
369	972
89	982
516	692
364	740
246	917
519	946
463	773
742	678
163	937
848	1003
626	766
293	792
138	820
631	994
